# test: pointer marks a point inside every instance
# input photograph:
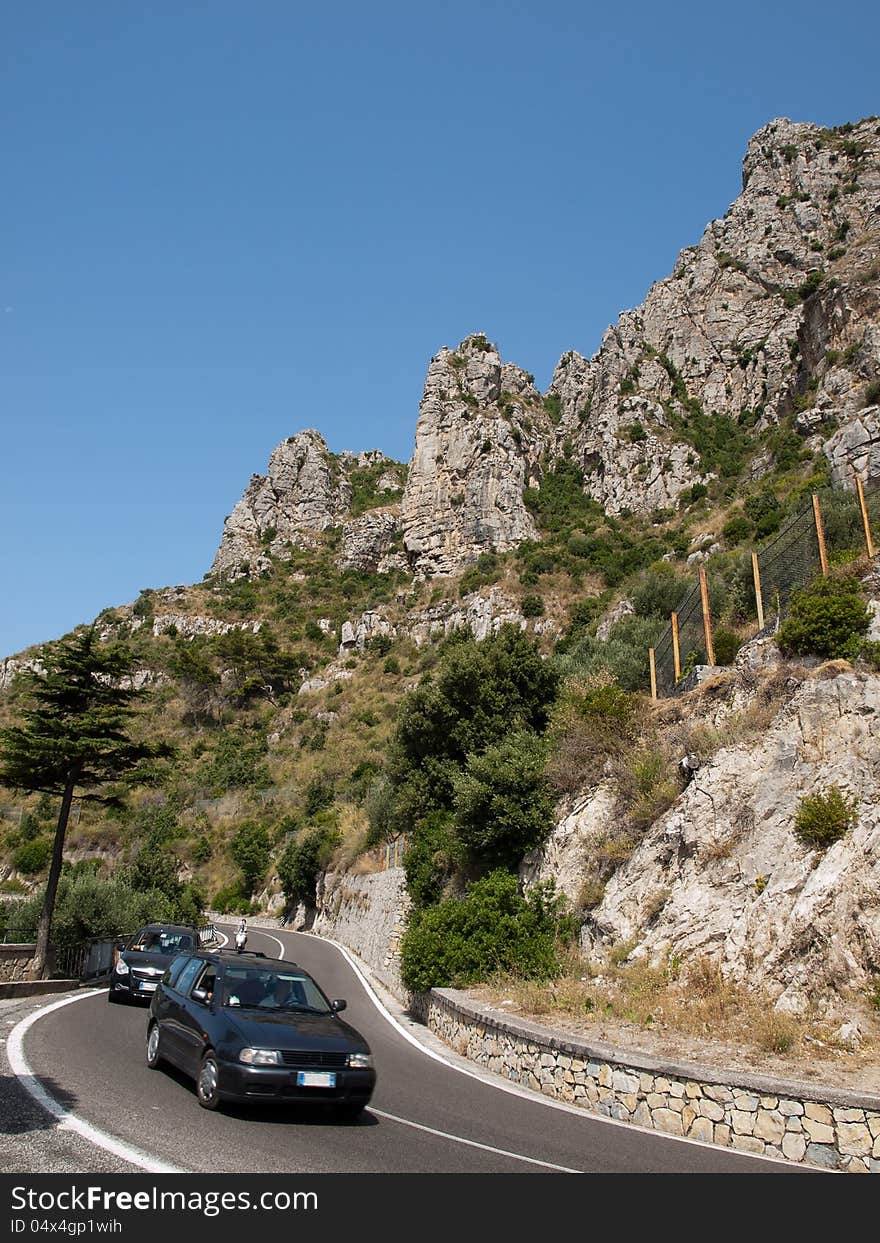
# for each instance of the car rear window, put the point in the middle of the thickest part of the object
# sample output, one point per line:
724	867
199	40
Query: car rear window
162	941
272	990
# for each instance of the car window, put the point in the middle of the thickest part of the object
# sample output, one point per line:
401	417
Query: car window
205	981
177	965
272	990
188	974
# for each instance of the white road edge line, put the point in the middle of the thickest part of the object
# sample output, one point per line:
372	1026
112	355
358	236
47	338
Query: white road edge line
66	1119
515	1090
472	1143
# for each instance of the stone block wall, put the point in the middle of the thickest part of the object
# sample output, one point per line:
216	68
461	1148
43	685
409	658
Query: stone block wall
823	1127
368	915
17	962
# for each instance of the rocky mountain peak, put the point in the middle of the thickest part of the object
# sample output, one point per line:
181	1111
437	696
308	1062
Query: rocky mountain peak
303	492
481	431
773	314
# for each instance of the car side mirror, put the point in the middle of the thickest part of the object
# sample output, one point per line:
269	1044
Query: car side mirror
338	1005
200	994
120	945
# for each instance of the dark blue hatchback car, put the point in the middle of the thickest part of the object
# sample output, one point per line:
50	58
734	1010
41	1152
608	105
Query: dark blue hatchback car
250	1028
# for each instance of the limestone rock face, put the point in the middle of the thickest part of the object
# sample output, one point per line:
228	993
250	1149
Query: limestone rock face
774	311
482	614
368	542
303	493
739	886
480	434
188	626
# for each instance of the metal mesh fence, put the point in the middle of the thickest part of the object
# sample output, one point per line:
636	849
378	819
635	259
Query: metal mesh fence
786	563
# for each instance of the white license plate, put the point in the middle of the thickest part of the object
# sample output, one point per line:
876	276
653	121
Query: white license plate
148	986
315	1079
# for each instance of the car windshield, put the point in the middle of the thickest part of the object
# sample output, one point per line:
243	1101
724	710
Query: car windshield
161	941
259	988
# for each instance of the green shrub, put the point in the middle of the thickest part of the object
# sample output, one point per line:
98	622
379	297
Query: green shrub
827	618
623	656
503	806
231	901
33	857
91	906
303	861
532	606
737	529
463	940
658	591
726	645
250	848
824	818
432	856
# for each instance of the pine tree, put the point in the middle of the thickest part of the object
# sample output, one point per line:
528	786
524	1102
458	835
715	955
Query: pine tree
73	737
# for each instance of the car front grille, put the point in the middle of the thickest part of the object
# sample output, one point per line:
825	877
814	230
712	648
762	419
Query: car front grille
296	1057
145	973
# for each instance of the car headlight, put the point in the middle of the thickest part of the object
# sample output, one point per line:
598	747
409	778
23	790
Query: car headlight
360	1061
122	967
260	1057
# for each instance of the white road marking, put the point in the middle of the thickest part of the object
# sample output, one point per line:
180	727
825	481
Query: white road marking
66	1119
472	1143
524	1093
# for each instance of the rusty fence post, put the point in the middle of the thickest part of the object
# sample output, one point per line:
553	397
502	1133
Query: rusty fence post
820	535
707	617
759	599
869	542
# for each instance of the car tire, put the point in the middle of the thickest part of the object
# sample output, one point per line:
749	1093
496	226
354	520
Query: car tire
114	998
154	1057
349	1113
208	1082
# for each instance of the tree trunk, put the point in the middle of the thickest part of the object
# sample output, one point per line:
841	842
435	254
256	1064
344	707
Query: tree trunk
45	925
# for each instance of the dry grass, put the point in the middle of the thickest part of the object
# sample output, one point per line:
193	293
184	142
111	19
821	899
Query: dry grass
666	1002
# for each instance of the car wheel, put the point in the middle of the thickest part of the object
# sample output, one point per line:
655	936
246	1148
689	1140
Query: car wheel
154	1057
349	1113
114	998
208	1082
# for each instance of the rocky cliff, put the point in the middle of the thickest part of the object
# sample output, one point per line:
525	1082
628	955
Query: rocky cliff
773	313
772	316
306	490
722	874
481	432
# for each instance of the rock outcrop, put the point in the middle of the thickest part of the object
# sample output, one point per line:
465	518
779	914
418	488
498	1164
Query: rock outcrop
481	431
304	492
723	875
773	313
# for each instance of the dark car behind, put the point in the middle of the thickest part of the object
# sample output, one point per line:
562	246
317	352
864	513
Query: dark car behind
249	1028
144	959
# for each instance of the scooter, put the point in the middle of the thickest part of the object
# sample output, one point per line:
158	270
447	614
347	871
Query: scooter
241	937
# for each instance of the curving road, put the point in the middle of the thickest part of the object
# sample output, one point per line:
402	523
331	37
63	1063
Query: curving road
425	1117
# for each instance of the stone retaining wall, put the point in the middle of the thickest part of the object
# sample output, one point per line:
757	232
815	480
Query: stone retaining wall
367	914
17	961
804	1123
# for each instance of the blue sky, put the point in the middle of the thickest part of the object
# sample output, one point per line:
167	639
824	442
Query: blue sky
222	223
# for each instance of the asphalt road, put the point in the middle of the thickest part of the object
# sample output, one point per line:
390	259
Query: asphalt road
425	1117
